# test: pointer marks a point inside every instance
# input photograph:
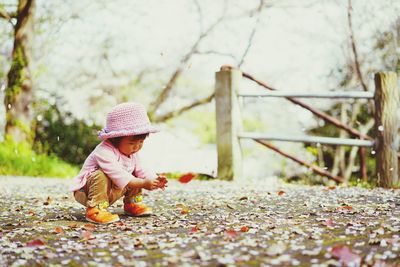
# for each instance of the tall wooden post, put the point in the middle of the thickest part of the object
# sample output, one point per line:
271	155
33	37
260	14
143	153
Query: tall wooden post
386	127
229	123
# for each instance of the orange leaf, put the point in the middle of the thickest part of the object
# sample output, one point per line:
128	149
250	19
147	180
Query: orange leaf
331	187
345	207
73	225
89	227
281	193
186	178
244	229
35	243
185	210
58	230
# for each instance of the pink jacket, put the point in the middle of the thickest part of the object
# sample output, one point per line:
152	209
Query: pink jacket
118	167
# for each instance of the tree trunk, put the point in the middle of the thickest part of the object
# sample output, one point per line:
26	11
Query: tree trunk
19	94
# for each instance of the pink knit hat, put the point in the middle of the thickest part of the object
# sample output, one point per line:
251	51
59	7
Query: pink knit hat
127	119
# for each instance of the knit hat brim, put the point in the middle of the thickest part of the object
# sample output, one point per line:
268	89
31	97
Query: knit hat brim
103	134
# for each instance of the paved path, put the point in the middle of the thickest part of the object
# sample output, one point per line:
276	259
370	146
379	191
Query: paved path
203	223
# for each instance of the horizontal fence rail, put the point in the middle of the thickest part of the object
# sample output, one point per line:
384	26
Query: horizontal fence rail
306	139
327	94
385	142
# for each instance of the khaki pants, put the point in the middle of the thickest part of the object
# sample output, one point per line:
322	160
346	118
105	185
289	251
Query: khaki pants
99	189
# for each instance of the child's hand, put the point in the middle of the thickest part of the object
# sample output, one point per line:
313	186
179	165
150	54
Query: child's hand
162	181
150	184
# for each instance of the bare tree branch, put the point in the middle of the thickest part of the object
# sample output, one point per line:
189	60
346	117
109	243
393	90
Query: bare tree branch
253	32
250	12
171	82
8	16
178	112
196	3
353	152
211	52
162	97
354	48
4	14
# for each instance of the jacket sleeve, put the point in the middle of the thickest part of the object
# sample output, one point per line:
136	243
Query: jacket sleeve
142	172
108	163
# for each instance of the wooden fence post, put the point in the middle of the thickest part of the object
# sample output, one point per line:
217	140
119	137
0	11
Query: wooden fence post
229	123
386	127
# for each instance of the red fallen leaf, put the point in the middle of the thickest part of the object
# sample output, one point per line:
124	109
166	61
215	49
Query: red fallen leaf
58	230
31	213
194	229
35	243
186	178
345	255
244	229
329	222
281	193
231	233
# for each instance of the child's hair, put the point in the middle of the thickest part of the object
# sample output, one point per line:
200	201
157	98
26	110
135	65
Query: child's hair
116	140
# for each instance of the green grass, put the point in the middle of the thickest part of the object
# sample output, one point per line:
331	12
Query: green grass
20	159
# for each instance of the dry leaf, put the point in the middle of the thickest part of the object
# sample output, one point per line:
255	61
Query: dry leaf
73	225
35	243
231	233
183	208
345	255
194	229
48	201
186	178
89	227
87	235
58	230
329	223
244	229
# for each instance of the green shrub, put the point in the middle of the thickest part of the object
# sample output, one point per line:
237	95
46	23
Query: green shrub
20	159
61	134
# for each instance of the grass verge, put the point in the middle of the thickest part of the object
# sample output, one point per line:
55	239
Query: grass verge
20	159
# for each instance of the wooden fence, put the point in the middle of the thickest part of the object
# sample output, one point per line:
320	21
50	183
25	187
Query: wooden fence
230	129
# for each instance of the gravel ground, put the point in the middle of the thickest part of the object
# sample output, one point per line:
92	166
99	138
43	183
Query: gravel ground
203	223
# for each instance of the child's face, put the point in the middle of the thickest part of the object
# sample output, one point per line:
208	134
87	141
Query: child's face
130	144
